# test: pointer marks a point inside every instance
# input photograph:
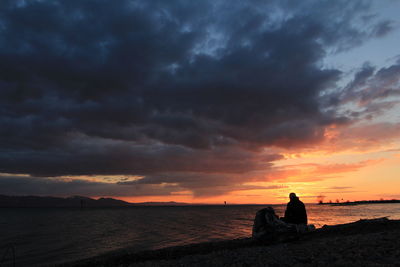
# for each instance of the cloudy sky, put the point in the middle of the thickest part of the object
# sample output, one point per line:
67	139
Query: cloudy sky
200	101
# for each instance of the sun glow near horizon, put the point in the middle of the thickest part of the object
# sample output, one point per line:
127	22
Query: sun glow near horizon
343	176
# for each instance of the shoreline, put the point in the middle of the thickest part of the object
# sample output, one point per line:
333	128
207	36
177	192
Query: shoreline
361	202
359	243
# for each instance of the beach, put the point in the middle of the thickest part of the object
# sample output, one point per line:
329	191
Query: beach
363	243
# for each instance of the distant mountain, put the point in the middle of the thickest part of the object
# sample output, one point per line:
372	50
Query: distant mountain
75	201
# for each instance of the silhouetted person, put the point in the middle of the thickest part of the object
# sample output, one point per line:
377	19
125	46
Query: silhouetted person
295	211
267	225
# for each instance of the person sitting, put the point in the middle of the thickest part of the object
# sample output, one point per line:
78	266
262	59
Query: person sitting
295	211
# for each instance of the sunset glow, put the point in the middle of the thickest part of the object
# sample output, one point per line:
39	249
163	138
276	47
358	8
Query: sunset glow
201	101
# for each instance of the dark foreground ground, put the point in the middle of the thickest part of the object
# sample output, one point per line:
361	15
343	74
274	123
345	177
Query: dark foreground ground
362	243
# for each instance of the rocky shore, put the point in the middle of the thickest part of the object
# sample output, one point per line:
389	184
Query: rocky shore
363	243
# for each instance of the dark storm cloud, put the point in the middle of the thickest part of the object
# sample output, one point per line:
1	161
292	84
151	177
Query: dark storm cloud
16	185
383	28
206	185
86	155
374	91
361	76
22	185
154	87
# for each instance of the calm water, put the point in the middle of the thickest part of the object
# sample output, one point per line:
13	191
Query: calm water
43	236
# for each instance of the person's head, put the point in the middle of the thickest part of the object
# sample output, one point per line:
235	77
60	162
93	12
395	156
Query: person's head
292	196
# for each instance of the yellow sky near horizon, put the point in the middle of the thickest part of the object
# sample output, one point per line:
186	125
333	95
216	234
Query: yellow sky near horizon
344	175
374	180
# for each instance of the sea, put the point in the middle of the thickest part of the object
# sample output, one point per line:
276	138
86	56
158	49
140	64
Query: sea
47	236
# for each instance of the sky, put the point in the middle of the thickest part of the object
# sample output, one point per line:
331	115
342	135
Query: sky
200	101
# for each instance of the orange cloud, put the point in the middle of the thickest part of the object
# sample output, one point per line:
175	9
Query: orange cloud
309	172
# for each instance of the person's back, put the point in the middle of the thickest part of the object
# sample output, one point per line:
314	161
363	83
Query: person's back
295	211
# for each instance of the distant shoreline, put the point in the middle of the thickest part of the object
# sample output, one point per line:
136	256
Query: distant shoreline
86	202
363	202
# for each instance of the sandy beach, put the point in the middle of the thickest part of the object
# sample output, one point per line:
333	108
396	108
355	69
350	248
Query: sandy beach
362	243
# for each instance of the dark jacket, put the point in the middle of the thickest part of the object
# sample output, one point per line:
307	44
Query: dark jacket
295	212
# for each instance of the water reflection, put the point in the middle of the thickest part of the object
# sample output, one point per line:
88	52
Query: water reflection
57	235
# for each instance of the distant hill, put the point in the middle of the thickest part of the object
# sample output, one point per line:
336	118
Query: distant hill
80	201
75	201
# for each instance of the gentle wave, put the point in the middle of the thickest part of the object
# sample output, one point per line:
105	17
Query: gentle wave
46	236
